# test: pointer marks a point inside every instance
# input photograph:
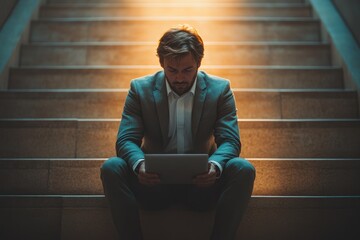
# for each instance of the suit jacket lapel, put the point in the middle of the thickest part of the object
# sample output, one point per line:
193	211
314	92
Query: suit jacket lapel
162	105
199	99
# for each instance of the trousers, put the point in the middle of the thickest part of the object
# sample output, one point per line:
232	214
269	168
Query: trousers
228	196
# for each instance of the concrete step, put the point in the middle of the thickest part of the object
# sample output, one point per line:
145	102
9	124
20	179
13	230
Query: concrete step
299	176
175	1
143	53
119	77
95	138
88	217
130	29
109	103
191	9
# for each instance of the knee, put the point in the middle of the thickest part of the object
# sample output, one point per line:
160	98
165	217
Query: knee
240	167
114	166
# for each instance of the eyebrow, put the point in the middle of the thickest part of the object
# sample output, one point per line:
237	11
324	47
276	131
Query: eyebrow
187	68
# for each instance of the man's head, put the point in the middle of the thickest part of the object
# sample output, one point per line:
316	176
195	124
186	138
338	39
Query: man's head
180	52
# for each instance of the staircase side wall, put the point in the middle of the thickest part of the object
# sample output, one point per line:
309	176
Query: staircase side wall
5	9
345	50
13	33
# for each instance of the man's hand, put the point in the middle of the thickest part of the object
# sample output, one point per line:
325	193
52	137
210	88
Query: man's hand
206	179
145	178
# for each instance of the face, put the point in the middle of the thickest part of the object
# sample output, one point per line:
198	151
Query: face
180	73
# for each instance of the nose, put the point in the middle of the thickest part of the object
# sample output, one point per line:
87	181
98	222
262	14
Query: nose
179	77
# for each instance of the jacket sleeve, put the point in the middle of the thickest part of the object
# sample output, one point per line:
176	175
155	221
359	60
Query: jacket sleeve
131	130
226	131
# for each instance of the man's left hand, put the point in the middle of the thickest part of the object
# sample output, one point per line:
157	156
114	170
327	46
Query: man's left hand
207	179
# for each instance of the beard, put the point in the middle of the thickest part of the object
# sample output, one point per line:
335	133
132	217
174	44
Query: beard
181	87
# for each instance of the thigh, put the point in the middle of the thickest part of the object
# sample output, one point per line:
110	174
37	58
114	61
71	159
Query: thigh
203	198
151	197
237	168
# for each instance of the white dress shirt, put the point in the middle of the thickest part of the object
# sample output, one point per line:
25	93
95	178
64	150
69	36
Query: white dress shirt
180	111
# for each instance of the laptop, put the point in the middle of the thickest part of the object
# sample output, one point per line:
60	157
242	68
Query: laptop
176	168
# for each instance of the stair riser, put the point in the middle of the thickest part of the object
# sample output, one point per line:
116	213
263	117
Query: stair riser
151	30
319	219
250	104
273	177
120	78
176	1
94	139
118	11
67	55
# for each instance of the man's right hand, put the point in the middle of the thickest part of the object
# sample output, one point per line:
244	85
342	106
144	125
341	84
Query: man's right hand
150	179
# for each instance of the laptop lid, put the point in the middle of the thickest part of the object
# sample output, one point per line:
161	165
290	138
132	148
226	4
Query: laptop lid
176	168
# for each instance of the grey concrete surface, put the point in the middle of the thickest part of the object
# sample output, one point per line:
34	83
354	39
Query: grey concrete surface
307	217
267	138
274	176
263	77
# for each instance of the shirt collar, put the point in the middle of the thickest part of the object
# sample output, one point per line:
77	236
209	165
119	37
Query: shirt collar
169	89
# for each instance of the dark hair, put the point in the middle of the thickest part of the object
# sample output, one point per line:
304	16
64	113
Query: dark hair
179	41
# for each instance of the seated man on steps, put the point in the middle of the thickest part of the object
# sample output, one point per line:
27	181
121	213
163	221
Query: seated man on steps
150	125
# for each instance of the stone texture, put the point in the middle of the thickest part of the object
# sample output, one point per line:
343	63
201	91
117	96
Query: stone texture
53	55
113	30
28	138
119	77
96	139
260	138
273	176
319	105
50	32
268	54
87	223
306	139
319	218
75	177
23	176
251	104
216	54
129	10
173	1
35	223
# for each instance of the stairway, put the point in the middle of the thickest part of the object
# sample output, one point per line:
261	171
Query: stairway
60	115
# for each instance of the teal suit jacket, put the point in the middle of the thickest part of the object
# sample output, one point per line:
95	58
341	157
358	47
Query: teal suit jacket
145	120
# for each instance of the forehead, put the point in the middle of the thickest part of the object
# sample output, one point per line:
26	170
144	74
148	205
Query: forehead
184	61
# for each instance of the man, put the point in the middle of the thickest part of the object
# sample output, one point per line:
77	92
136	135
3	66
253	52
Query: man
178	110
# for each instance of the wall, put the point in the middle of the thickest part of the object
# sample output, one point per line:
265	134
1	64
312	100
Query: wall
350	11
6	6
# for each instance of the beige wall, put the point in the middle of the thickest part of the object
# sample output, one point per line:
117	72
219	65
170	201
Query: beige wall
5	9
350	11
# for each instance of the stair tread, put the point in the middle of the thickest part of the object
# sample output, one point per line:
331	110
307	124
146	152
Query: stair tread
147	43
154	67
178	4
235	53
84	216
171	18
100	103
275	176
86	201
75	137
